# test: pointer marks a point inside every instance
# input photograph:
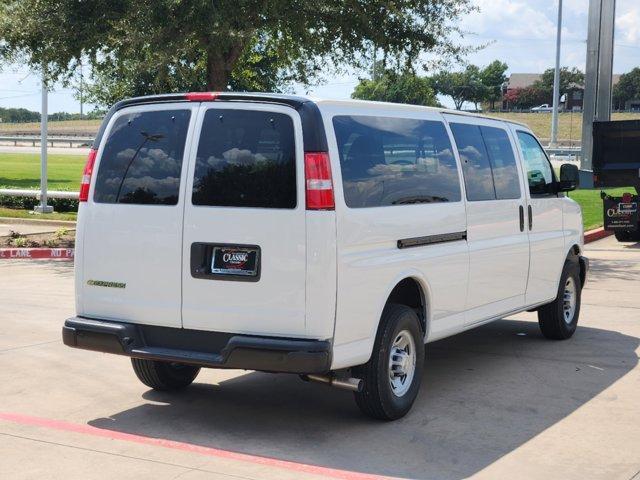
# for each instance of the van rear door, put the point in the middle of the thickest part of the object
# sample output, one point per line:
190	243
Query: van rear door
130	230
244	243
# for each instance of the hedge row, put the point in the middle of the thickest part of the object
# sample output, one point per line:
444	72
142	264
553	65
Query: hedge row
28	203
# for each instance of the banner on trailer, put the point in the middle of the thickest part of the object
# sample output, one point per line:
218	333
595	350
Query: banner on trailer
620	214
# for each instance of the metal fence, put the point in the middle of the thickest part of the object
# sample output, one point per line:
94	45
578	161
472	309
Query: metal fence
51	140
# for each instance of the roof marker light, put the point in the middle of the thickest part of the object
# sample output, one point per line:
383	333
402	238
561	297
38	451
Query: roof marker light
201	96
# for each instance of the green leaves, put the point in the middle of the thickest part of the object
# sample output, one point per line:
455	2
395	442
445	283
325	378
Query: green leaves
627	88
147	46
395	87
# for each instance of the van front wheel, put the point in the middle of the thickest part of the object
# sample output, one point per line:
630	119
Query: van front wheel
393	374
558	320
164	375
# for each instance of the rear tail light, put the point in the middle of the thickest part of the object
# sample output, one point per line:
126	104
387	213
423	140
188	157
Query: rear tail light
201	96
86	176
319	185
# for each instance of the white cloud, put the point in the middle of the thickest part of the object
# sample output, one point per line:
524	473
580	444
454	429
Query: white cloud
628	26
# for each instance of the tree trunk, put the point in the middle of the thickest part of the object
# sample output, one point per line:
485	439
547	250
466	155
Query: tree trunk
220	65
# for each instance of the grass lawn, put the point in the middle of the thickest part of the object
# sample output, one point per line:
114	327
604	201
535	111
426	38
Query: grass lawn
591	204
22	170
14	213
569	123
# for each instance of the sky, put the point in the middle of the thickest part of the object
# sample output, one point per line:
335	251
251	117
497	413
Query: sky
519	32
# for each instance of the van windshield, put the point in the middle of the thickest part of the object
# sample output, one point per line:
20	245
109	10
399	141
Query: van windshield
245	158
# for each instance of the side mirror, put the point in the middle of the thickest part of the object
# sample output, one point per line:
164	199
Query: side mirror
569	177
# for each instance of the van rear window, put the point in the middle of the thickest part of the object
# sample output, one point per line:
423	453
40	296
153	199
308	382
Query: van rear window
142	158
395	161
246	158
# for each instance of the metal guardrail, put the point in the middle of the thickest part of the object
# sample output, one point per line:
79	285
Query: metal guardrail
36	193
564	151
33	139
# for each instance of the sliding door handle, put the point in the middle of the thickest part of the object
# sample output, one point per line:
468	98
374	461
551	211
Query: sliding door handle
521	218
530	212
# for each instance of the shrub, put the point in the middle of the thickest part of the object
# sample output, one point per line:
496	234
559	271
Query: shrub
28	203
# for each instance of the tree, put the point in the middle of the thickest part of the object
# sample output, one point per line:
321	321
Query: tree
218	37
568	79
464	86
627	88
492	77
391	86
115	78
526	97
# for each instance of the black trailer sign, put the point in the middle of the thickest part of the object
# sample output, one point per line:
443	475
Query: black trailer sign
621	213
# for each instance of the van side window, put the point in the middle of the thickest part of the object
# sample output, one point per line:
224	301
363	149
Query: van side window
503	163
142	158
539	171
476	166
395	161
245	158
488	162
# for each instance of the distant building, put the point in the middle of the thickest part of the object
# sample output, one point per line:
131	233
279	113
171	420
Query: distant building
571	100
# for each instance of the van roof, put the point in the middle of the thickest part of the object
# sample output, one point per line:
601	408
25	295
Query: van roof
295	101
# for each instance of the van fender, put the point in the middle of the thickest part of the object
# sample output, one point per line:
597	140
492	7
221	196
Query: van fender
574	251
423	283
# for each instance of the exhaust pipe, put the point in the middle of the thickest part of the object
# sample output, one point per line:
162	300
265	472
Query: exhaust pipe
352	384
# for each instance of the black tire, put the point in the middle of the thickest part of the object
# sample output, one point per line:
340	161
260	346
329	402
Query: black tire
164	376
553	322
623	235
377	398
627	235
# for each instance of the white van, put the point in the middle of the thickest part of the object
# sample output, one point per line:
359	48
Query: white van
330	239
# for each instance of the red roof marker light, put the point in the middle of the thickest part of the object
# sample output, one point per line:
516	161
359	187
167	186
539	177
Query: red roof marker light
201	96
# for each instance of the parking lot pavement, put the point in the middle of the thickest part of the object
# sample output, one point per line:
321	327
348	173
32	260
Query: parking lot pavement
496	402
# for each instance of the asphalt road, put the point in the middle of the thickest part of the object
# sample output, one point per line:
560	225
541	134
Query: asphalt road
497	402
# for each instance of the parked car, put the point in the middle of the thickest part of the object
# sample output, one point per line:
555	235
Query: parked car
330	239
542	108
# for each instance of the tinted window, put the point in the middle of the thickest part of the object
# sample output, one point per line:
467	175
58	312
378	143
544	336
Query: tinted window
395	161
478	179
142	158
503	163
246	159
539	172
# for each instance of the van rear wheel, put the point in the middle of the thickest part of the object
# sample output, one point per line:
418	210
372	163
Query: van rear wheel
164	375
393	374
558	320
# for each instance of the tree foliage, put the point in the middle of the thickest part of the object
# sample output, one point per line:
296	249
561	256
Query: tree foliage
397	87
473	84
492	77
158	45
526	97
569	78
628	88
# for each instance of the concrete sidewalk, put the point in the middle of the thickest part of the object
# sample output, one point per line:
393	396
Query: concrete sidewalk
499	401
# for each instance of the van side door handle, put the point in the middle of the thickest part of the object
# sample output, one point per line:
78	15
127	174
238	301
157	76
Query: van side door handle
521	218
530	212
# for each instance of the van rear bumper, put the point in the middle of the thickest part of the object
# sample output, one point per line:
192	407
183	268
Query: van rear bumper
198	347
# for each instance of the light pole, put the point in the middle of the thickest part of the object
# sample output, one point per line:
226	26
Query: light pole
44	117
556	82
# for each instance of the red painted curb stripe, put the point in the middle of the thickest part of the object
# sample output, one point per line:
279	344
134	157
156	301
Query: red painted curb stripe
185	447
598	234
37	253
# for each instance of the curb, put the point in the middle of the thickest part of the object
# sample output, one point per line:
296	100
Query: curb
28	221
597	234
37	253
